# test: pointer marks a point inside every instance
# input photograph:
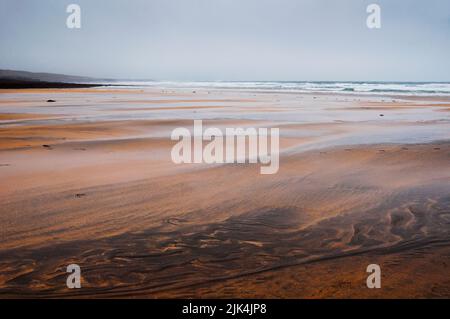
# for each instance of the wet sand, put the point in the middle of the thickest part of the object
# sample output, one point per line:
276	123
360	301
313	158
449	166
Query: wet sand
88	179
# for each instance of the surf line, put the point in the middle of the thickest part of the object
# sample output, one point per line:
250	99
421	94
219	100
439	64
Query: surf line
227	148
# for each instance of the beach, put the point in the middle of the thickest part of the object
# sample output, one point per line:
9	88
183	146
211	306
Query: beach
88	179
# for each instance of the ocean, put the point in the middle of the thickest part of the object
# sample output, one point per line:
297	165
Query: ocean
370	88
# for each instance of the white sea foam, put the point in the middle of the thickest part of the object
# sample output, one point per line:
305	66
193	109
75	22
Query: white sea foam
377	88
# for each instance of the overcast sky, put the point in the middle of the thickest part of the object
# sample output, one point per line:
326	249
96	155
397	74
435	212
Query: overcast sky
229	39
